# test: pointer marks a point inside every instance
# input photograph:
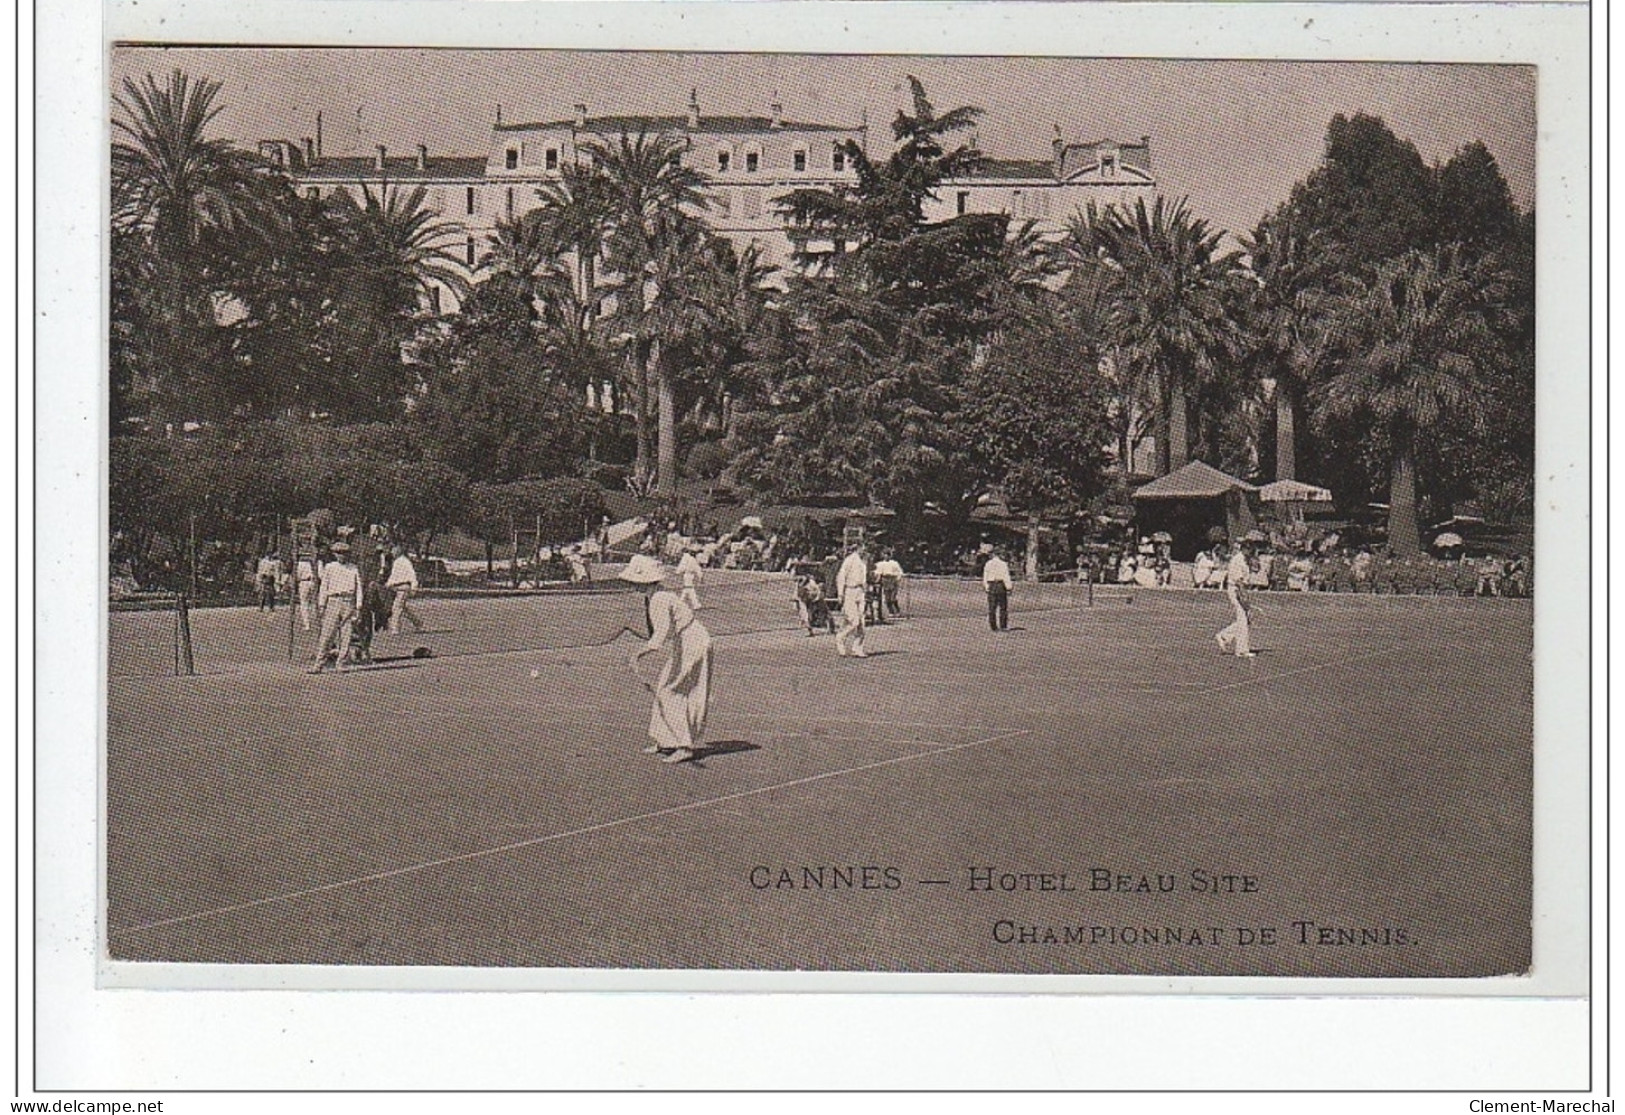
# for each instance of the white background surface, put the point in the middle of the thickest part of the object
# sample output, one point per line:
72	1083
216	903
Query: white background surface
83	1038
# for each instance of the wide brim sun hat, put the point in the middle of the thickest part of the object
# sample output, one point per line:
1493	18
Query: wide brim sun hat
643	570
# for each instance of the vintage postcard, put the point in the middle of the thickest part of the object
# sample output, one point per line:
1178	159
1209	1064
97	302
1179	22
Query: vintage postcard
706	514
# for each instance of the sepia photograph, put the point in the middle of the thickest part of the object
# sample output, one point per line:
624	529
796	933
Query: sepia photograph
805	546
820	513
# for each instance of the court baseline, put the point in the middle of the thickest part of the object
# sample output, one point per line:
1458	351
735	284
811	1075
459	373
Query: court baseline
549	838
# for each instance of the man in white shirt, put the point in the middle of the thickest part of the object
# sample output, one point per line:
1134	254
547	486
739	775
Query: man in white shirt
851	587
692	573
890	573
1237	638
341	603
996	580
305	575
403	582
268	578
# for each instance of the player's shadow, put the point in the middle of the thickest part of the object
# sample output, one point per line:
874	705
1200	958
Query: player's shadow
396	661
721	747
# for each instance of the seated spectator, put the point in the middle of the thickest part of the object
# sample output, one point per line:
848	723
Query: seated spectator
1489	578
1360	570
1299	571
1206	570
579	573
1276	572
1516	577
1261	565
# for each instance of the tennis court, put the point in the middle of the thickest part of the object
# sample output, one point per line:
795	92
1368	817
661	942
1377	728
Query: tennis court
1369	772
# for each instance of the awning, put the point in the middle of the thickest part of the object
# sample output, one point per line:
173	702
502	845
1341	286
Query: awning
1293	491
1197	480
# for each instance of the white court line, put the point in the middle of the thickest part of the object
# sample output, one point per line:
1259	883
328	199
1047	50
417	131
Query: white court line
552	837
1305	670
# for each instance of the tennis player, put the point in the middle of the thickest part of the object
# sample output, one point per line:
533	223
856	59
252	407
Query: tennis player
1237	638
682	694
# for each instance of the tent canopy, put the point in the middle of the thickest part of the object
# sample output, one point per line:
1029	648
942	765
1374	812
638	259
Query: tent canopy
1293	491
1197	480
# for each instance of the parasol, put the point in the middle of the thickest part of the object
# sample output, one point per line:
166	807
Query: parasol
1447	540
1162	536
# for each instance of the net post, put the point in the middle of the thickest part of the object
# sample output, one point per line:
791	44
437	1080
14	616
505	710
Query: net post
183	637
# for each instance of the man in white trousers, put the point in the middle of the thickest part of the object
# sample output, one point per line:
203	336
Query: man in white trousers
1237	638
402	583
851	588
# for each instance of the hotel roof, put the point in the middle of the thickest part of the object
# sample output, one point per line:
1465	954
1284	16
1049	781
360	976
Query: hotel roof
397	168
708	125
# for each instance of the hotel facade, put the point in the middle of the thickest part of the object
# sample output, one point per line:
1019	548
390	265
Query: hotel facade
749	163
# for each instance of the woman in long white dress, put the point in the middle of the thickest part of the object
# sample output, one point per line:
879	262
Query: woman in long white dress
682	693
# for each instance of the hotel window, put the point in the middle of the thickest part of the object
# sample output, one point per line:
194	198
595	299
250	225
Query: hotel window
964	202
798	160
753	161
511	159
470	248
837	159
1108	164
510	203
469	204
724	157
1017	203
552	158
314	193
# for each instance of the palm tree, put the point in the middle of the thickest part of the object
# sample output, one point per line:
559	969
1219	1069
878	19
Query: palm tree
187	212
394	259
1419	337
646	191
704	301
521	249
575	212
1171	302
173	182
525	251
1287	319
400	244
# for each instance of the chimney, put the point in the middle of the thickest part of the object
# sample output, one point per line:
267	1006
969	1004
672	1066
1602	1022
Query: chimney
310	151
318	135
378	163
778	112
499	116
581	116
693	109
1060	151
423	156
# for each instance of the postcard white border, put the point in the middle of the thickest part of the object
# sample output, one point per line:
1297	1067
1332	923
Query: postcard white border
69	415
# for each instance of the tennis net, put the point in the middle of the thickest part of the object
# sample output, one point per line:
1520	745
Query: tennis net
144	639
